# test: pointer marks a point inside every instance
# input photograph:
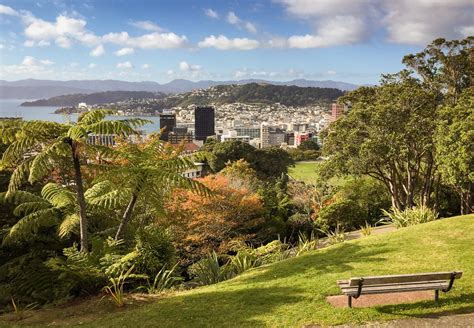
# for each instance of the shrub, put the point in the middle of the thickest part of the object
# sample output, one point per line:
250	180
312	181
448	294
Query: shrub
155	250
164	279
115	289
243	261
208	271
346	213
306	244
410	216
366	229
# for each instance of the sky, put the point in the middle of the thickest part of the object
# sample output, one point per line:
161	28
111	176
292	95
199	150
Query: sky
143	40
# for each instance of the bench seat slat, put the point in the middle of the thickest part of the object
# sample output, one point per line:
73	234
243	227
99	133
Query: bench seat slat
377	280
394	289
345	284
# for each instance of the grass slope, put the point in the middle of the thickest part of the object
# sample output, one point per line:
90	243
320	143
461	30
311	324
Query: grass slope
292	293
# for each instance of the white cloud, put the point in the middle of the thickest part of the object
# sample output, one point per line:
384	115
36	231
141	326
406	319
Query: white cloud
170	72
74	64
32	61
221	42
29	67
233	19
8	11
184	66
147	26
98	51
146	66
335	31
147	41
331	72
337	22
31	43
211	13
62	42
421	21
124	52
92	65
123	65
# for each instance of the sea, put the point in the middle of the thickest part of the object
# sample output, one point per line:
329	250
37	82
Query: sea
12	108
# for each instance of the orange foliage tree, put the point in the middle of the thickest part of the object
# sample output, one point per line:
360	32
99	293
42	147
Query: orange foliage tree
229	218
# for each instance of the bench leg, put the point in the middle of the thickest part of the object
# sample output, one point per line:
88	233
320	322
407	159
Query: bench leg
436	295
349	301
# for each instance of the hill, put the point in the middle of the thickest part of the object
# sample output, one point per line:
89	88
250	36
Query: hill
35	89
292	293
258	93
94	98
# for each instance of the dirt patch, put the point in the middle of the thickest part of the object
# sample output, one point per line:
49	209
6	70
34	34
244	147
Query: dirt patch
340	301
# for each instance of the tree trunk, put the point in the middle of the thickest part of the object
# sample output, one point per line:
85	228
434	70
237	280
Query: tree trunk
126	216
80	199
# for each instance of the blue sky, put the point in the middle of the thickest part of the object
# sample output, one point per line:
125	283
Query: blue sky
346	40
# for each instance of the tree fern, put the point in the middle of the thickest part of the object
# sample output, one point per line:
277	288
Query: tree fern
34	146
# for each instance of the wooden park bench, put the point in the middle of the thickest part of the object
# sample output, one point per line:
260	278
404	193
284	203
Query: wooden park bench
354	287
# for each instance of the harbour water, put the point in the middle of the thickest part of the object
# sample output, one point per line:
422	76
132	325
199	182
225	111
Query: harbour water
12	108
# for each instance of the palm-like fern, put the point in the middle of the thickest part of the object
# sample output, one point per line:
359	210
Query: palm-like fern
34	147
55	207
146	171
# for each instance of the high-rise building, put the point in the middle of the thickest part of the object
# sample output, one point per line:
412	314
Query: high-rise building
167	124
271	136
337	110
204	122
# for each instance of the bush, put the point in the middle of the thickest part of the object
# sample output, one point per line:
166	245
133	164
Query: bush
208	271
155	250
346	213
410	216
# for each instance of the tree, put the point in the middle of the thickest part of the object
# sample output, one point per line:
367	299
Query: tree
144	170
389	135
309	145
203	224
447	67
226	151
272	162
455	148
35	146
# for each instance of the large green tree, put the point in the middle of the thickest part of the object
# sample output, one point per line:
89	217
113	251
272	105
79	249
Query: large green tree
388	135
455	148
35	147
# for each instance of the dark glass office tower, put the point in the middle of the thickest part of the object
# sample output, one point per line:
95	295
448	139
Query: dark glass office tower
204	122
168	122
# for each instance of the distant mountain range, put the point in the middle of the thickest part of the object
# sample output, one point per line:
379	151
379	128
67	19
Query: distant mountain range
39	89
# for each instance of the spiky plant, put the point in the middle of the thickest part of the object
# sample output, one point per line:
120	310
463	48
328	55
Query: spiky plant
35	147
144	171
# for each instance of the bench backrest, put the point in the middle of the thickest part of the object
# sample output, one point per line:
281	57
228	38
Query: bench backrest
405	278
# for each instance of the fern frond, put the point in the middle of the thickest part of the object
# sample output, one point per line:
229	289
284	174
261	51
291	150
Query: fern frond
77	132
30	207
68	225
58	196
19	175
117	127
31	223
93	116
16	150
43	162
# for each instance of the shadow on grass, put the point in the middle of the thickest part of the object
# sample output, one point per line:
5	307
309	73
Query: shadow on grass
334	260
464	303
213	308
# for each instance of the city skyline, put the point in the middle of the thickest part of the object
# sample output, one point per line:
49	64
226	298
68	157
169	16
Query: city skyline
350	41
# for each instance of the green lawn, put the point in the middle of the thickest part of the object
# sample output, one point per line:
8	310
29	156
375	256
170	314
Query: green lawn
292	293
303	171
